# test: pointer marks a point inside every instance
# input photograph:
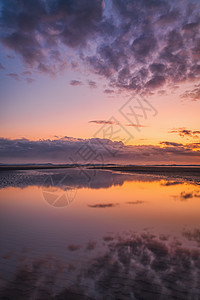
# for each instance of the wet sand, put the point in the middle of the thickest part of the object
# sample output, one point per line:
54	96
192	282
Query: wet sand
34	167
107	235
159	170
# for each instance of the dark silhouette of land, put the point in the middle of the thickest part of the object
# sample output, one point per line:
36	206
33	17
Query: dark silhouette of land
144	169
35	167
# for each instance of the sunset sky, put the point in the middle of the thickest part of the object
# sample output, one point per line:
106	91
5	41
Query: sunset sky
75	71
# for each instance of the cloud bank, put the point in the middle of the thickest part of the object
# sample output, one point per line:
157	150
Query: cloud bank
95	150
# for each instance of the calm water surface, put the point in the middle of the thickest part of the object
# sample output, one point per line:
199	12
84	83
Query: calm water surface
67	234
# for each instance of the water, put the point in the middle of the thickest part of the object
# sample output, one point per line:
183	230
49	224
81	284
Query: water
71	234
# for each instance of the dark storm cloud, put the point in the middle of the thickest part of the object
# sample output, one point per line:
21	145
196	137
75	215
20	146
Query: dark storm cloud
33	28
72	150
69	21
26	45
157	68
156	44
143	46
174	41
155	82
136	45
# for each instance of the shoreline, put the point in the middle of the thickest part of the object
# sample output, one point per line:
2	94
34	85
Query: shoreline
144	169
160	170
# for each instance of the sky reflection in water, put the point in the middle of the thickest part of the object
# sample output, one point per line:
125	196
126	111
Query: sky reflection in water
116	235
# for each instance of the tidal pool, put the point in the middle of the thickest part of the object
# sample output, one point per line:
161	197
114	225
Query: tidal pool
93	234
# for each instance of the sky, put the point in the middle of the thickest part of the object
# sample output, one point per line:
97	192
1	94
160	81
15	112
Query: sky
100	81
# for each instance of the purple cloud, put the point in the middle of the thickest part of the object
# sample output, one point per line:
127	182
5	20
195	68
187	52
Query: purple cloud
137	46
75	82
108	91
92	84
71	150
